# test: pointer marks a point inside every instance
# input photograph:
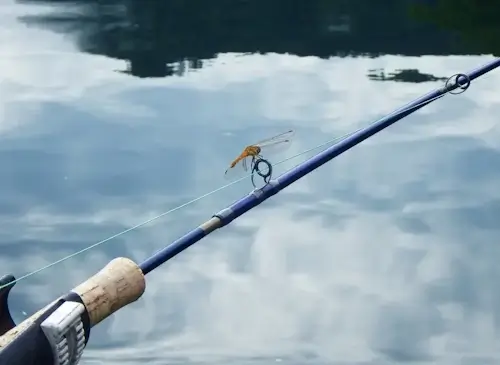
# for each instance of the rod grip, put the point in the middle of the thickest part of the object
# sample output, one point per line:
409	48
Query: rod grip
119	283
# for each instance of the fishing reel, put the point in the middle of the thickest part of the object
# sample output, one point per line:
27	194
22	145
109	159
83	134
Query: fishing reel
61	326
58	333
6	321
265	171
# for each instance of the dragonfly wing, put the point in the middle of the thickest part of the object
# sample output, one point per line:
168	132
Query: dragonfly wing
244	164
282	137
277	143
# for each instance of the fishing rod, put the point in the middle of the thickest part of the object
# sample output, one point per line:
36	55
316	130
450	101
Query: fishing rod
58	333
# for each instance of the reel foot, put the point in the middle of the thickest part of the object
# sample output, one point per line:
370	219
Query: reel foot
6	322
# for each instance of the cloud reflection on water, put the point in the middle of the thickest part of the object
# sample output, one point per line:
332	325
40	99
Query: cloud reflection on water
385	255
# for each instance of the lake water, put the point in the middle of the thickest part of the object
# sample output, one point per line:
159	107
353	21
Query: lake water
388	254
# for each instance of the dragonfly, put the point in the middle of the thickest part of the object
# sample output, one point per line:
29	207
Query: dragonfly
253	152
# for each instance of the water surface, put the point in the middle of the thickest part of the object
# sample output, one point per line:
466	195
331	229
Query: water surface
111	115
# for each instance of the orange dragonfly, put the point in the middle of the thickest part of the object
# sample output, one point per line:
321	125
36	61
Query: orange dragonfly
253	152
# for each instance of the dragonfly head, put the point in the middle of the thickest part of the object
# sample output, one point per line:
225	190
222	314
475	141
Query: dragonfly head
255	150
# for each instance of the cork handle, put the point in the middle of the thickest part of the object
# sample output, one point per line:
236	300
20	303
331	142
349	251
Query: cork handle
119	283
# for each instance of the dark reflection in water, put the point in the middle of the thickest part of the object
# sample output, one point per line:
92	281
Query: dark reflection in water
161	38
404	76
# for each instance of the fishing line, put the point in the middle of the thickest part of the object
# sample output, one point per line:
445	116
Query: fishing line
449	90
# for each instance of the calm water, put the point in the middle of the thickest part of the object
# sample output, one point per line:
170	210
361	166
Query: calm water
113	114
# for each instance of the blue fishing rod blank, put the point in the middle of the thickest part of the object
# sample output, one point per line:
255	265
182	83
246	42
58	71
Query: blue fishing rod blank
455	84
